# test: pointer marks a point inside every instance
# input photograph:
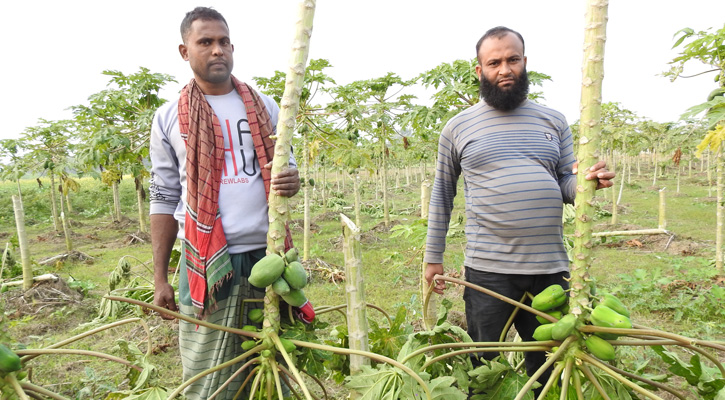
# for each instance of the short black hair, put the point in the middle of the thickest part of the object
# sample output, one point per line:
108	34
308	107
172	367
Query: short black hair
202	13
498	32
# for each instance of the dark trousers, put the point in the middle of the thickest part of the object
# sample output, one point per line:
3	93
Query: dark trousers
486	316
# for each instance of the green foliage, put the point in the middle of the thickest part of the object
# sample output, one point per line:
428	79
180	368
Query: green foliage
497	380
707	47
116	124
126	282
312	361
708	381
94	385
142	385
388	342
415	232
687	293
612	387
391	383
81	286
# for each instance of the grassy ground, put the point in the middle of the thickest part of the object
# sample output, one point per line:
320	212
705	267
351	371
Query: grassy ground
631	266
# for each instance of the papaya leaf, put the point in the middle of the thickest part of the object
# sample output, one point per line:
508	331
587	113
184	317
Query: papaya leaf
388	342
707	381
154	393
443	309
441	388
498	380
310	360
380	383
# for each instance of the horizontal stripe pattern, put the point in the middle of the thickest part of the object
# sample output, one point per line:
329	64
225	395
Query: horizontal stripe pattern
516	167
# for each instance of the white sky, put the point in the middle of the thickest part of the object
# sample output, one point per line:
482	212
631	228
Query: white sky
55	51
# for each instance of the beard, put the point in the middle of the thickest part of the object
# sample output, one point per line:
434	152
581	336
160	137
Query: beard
505	99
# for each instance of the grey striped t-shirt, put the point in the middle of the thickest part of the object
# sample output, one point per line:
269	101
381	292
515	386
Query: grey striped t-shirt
517	169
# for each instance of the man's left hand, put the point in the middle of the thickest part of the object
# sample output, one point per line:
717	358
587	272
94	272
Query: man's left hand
599	172
286	183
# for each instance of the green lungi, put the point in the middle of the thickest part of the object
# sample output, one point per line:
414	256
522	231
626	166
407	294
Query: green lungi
203	348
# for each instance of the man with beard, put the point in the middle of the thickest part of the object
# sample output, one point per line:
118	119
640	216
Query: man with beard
518	166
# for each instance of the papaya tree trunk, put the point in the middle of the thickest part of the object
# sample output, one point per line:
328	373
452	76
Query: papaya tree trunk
64	224
639	166
709	175
68	205
621	189
678	178
23	242
356	189
384	180
323	187
613	193
591	100
116	201
306	193
357	325
629	171
140	204
662	221
278	206
430	313
54	202
719	217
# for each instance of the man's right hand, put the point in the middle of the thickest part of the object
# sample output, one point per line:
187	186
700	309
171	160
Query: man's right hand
432	270
164	297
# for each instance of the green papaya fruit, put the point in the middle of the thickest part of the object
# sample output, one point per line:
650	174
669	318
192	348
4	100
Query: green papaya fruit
295	298
250	328
288	346
543	332
281	287
248	345
614	303
564	327
606	317
556	314
717	92
600	348
549	298
266	271
291	255
9	361
255	315
295	275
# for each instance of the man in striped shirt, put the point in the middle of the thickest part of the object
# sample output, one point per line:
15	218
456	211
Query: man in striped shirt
518	167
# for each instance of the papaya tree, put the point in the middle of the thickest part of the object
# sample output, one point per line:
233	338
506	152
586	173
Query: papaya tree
49	145
310	123
115	128
375	107
11	151
708	48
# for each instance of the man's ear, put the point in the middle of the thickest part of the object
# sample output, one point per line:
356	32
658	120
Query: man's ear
478	71
184	52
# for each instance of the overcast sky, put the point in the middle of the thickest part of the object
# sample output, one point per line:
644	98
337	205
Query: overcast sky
55	51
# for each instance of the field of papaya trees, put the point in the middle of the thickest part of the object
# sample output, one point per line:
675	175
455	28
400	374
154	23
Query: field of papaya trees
668	281
643	317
